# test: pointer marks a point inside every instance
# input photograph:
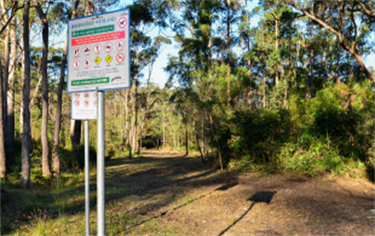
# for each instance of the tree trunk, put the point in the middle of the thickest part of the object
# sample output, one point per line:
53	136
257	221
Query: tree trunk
25	178
136	112
75	137
10	112
55	148
199	147
186	134
5	82
163	131
276	49
228	53
126	122
357	55
140	140
44	132
217	141
312	88
2	147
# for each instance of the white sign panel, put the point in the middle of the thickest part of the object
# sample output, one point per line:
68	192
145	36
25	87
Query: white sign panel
98	52
84	106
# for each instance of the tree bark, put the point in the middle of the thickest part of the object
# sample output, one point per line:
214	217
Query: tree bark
44	132
186	134
228	53
312	87
5	82
25	178
199	147
2	147
126	122
4	86
75	137
10	100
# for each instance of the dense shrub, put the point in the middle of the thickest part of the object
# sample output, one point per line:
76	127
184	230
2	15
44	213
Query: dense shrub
333	132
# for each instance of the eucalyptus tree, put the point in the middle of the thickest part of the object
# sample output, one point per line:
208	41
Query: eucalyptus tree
44	133
25	176
350	21
55	154
2	146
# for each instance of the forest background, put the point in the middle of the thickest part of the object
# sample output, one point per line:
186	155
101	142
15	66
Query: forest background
291	94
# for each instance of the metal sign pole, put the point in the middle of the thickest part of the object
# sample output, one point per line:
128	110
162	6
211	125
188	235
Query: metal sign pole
87	178
100	164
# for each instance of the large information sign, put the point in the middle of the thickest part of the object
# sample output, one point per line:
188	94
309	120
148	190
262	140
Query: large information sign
98	52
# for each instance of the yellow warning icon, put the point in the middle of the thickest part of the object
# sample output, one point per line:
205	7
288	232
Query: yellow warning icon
97	60
108	58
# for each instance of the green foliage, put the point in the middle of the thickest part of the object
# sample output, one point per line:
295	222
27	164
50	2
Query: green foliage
327	134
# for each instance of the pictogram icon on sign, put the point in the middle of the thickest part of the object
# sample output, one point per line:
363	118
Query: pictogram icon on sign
76	102
108	58
76	95
86	103
76	52
97	60
120	57
86	50
120	45
122	22
95	103
95	94
86	95
76	64
86	63
97	48
108	47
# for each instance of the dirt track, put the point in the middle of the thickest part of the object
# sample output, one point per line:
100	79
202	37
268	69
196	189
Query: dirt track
175	195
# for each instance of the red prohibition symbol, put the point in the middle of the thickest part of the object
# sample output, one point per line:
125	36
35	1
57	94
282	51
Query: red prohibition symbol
76	52
122	22
86	63
120	45
97	48
95	103
76	102
86	94
86	103
108	47
120	57
76	64
76	95
95	94
86	50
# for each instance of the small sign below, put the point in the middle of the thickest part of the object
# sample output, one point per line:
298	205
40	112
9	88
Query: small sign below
84	106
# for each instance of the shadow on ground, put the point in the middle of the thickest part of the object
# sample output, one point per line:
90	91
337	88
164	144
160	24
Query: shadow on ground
140	177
